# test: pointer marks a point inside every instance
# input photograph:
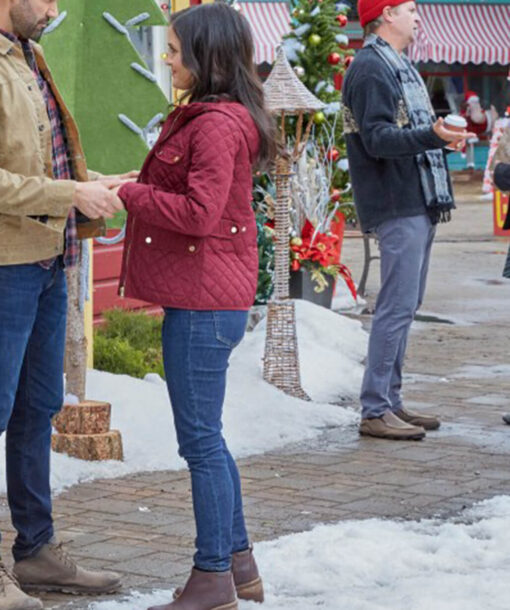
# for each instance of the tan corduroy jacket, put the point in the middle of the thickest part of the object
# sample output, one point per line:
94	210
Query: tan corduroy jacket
26	185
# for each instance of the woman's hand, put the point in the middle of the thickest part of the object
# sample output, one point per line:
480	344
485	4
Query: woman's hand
119	179
131	176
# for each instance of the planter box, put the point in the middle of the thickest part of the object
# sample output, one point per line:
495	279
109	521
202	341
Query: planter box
302	286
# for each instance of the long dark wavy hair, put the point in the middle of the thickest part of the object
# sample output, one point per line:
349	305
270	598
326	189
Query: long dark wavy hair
217	49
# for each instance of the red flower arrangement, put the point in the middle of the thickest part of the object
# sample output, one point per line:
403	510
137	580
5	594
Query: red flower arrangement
320	257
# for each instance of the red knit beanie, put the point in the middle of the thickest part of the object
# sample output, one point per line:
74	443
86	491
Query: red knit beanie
369	10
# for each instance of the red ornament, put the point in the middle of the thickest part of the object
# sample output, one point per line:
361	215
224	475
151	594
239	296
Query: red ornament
334	58
342	20
336	195
332	154
165	6
348	61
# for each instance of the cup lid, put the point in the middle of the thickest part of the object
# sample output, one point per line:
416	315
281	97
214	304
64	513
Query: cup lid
455	120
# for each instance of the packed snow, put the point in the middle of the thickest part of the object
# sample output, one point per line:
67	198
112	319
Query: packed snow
382	565
258	417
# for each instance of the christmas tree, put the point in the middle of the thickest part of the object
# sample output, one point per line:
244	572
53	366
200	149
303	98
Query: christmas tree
317	49
108	88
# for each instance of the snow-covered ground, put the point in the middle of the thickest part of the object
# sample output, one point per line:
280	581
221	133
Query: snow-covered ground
258	417
382	565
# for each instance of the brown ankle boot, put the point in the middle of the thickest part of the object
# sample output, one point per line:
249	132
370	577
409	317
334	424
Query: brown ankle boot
246	577
205	591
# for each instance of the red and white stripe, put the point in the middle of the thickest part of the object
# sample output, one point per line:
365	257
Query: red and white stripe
464	33
269	21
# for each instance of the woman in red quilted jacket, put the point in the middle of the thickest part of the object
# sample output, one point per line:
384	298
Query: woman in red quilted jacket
191	246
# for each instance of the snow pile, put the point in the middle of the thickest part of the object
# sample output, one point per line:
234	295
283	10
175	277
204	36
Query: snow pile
258	417
383	565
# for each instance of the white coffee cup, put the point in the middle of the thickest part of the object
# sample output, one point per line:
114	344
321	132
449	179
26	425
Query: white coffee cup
455	122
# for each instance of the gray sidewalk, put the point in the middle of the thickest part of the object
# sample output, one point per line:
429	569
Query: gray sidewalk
142	525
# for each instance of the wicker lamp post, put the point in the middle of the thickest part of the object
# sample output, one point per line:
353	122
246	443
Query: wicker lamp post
285	95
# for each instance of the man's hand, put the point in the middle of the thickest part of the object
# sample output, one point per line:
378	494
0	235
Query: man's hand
96	200
455	139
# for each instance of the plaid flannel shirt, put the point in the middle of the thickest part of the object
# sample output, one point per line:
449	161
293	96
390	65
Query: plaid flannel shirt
62	169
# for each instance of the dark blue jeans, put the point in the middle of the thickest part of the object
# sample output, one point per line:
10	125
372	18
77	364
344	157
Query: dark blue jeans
32	338
196	349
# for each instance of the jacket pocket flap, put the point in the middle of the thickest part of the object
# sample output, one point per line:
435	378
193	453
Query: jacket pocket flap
170	155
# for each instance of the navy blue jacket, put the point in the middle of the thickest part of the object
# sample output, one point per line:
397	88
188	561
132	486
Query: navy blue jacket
381	145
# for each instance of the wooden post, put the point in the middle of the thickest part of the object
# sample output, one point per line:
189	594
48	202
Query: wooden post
89	310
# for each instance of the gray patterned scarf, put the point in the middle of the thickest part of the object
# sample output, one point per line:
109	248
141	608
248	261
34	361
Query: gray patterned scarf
434	175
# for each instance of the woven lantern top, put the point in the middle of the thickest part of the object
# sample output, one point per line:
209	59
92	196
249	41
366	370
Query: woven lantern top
285	92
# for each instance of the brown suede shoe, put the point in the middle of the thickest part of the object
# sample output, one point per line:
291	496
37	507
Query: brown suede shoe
11	596
52	569
427	422
205	591
247	579
389	426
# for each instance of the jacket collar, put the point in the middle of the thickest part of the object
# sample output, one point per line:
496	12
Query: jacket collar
5	45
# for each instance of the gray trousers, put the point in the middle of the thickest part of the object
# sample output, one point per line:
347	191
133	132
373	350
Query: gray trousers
405	245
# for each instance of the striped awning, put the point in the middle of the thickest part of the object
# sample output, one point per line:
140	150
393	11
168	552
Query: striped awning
464	33
269	22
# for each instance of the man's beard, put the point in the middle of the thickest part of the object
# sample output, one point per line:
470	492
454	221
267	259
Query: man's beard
24	23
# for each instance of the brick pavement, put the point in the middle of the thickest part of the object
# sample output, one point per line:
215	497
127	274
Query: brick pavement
142	525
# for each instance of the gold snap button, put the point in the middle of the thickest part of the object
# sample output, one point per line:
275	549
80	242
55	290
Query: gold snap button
176	158
192	248
148	240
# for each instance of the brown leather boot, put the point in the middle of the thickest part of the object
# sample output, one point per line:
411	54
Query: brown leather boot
205	591
52	569
246	577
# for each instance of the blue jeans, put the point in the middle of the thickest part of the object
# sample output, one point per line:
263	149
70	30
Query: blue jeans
33	304
196	349
405	245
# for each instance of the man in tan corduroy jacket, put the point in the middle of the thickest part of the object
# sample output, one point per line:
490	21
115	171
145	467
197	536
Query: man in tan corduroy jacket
44	184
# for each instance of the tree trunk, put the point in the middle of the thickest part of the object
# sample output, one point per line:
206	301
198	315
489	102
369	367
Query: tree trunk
76	342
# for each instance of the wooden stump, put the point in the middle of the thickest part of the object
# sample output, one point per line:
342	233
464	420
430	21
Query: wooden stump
87	417
91	447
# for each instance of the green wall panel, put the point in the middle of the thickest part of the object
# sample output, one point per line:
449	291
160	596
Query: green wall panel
91	63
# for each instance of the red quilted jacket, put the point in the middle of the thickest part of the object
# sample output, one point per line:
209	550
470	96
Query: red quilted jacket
191	239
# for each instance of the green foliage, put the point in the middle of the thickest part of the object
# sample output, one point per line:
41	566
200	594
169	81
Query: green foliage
265	244
129	343
316	35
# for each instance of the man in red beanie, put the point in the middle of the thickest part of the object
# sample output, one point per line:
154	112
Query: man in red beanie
401	190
